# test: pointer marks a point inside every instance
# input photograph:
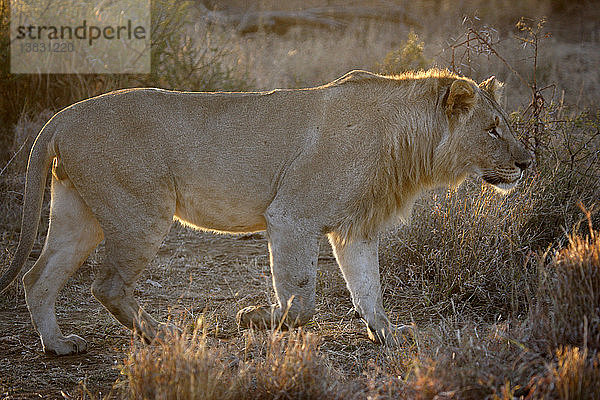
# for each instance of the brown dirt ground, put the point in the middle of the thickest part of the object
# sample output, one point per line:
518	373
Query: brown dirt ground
194	272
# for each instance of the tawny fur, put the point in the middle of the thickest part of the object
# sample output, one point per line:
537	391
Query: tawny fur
345	159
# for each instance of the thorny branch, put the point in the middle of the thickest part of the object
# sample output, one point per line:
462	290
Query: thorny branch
480	41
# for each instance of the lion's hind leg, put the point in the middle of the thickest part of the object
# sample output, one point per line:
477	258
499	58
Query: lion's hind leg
72	235
128	252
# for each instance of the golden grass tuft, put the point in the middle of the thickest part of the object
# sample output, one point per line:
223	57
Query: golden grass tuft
180	366
576	376
569	310
193	366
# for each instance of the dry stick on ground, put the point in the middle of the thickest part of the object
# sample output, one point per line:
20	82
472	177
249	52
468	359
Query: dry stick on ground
323	17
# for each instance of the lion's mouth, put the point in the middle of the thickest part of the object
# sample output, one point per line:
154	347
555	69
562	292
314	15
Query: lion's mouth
502	183
493	180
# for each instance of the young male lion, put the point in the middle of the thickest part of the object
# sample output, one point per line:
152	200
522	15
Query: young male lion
346	159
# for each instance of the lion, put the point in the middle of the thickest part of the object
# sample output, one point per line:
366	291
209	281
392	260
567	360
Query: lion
346	160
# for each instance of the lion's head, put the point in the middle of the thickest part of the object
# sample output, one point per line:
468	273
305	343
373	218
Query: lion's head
482	133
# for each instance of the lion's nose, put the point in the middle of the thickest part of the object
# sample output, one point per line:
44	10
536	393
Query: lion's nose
523	165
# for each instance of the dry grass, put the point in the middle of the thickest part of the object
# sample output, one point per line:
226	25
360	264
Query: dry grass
456	357
190	366
576	375
180	367
570	295
463	253
503	289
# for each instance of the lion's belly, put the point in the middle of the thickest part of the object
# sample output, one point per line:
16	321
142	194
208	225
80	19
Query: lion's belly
216	212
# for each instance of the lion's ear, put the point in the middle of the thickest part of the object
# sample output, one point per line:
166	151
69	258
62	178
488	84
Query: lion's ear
494	87
460	98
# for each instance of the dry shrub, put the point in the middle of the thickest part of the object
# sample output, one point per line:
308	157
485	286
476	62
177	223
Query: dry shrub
569	309
475	361
460	360
190	56
294	369
405	377
181	366
462	252
408	57
570	163
466	360
574	375
191	366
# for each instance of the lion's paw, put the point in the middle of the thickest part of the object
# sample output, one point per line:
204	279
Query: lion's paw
161	331
166	330
255	316
391	336
65	346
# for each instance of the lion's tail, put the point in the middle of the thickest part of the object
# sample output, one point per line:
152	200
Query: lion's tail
40	158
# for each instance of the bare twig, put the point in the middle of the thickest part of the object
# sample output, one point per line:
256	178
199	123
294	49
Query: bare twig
481	41
14	155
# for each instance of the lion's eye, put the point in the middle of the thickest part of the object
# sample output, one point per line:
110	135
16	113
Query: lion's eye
493	133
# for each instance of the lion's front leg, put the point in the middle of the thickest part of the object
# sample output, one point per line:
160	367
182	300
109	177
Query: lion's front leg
294	251
359	263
